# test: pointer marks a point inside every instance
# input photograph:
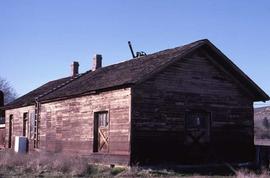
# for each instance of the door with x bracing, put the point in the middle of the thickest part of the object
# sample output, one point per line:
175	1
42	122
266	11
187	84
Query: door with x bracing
197	128
101	132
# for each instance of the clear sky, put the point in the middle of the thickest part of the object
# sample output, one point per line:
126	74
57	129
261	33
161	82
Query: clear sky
40	39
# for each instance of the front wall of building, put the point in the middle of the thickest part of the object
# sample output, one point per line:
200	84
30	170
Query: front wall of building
162	106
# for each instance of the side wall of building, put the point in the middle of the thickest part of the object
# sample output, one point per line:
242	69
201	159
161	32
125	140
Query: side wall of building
161	104
68	125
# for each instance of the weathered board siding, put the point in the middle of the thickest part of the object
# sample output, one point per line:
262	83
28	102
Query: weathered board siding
17	126
67	126
159	106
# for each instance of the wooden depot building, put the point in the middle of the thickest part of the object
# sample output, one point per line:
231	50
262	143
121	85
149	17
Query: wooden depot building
189	104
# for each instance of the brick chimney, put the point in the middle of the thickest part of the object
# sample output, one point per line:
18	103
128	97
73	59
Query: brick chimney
97	62
74	68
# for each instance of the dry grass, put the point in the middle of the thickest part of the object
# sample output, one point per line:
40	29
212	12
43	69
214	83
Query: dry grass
61	165
45	164
250	174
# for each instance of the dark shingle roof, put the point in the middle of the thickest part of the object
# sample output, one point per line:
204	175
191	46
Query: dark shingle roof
122	74
29	98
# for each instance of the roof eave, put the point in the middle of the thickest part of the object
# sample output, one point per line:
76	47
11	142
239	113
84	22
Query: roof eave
91	92
261	95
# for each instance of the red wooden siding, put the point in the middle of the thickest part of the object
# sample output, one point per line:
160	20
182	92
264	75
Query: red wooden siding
67	125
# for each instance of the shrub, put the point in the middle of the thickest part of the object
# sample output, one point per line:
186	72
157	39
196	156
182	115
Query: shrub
117	170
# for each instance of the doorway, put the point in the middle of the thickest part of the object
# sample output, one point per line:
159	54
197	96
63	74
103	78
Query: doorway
197	136
101	132
197	127
10	131
25	124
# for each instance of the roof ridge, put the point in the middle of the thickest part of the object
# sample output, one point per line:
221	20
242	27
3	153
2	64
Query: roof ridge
154	53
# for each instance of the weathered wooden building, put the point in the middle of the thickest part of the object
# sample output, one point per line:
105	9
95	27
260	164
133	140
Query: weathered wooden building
188	104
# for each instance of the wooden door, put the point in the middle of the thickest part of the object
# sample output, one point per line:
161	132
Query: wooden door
101	132
197	136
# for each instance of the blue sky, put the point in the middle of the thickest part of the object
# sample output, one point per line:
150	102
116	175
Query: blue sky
40	39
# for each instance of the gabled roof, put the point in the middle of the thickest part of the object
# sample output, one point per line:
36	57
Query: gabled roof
129	73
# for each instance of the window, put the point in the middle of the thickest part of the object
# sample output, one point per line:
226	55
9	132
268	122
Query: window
25	124
102	119
197	120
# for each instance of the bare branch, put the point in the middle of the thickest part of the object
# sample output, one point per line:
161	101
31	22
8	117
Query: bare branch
9	92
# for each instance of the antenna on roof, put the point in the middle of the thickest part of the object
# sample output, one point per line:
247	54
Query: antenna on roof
138	54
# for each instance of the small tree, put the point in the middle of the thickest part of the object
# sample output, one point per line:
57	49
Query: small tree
9	92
